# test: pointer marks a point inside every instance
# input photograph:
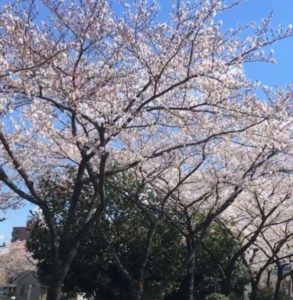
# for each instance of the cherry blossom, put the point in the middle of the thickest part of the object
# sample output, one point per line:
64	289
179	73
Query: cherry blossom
103	92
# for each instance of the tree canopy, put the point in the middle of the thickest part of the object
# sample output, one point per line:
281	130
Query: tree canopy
102	87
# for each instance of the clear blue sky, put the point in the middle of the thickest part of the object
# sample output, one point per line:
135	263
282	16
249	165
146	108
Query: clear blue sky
281	73
255	10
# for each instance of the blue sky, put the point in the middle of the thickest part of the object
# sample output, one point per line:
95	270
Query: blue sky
255	10
281	73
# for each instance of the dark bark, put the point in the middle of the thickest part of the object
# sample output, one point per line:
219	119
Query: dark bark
191	280
278	287
255	283
61	265
54	290
227	284
269	278
64	254
191	270
137	293
145	260
254	289
55	282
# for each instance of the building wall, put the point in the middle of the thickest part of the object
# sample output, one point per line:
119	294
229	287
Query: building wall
27	288
19	234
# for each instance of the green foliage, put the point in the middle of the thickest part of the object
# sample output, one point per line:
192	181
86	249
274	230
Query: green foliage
126	225
216	296
218	247
213	254
268	294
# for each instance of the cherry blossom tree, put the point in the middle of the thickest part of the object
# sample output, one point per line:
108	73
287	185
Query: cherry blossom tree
248	204
268	256
102	88
15	259
262	223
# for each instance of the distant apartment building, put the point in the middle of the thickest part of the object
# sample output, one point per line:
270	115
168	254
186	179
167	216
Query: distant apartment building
19	234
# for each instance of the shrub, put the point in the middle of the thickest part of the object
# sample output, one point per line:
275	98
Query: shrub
216	296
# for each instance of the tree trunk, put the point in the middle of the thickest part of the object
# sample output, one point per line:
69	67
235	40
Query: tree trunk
254	288
277	288
59	271
254	285
226	285
191	271
54	290
269	278
137	294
